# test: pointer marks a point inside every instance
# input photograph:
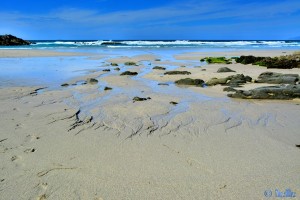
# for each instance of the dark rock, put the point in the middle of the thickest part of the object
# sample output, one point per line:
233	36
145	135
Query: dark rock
114	64
129	73
270	92
189	81
277	78
297	145
92	81
177	73
183	66
248	59
233	81
157	59
224	69
129	63
217	81
117	69
203	69
106	70
10	40
64	85
107	88
140	99
202	60
229	89
283	62
159	68
238	79
173	103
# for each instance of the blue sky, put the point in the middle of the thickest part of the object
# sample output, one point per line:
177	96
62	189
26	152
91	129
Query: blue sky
151	19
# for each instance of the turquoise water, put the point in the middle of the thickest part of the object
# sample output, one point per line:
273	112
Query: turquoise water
226	44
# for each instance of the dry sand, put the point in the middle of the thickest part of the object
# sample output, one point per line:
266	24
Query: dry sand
206	147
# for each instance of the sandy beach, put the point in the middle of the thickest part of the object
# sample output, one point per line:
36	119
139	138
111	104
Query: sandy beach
85	142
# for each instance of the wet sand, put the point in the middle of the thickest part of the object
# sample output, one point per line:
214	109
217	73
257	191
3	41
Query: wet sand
81	142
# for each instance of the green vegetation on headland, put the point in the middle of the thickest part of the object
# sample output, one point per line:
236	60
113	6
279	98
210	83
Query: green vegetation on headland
216	60
282	62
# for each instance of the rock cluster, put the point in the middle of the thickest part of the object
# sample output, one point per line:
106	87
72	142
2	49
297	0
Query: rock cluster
277	78
232	81
283	62
285	92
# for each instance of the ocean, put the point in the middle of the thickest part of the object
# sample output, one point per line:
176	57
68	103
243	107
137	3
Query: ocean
134	44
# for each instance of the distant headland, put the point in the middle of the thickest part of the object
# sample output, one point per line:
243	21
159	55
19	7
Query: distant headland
10	40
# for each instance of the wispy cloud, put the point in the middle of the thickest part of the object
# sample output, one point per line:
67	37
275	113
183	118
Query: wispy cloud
188	15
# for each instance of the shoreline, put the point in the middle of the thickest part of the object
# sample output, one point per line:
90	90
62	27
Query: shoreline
82	141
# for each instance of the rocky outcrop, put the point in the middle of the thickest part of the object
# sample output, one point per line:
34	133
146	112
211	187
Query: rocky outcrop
277	78
224	70
10	40
233	81
283	62
189	81
285	92
177	73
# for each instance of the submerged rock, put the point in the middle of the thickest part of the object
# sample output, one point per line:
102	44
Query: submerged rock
129	73
140	99
177	73
114	64
92	81
270	92
117	69
166	84
159	68
277	78
189	81
224	70
106	70
10	40
107	88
